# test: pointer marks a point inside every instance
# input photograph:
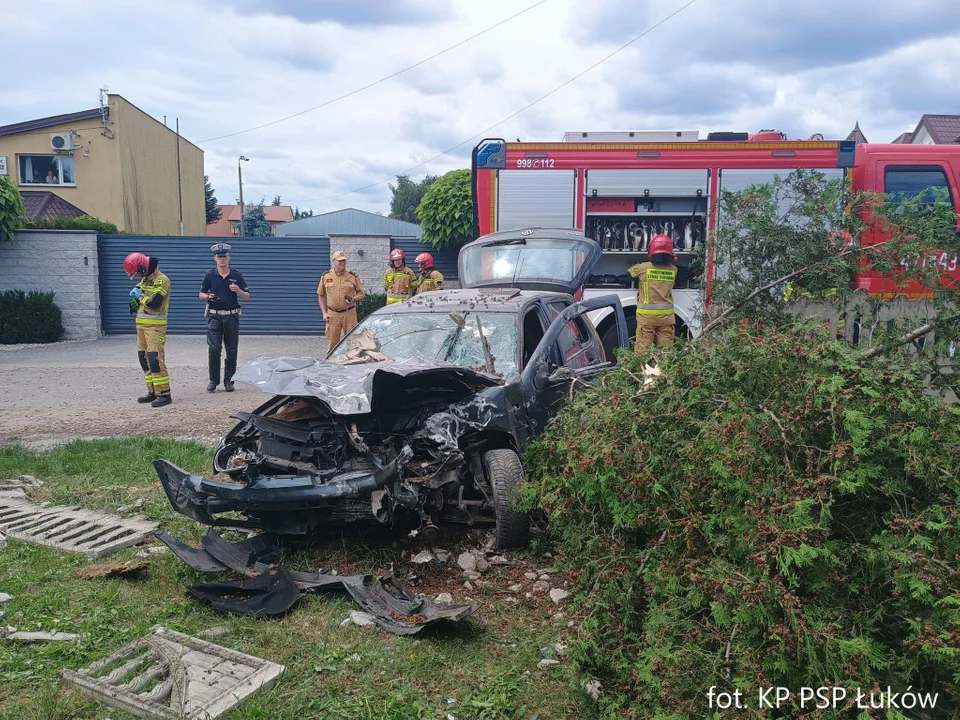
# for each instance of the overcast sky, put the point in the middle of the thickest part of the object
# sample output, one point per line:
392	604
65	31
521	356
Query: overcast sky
222	66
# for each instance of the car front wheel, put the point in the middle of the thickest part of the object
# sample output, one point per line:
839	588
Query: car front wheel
505	472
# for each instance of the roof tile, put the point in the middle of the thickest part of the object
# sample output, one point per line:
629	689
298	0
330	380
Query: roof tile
45	205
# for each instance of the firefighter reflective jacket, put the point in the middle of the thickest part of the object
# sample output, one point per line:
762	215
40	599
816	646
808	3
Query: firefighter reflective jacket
430	280
655	295
156	283
399	283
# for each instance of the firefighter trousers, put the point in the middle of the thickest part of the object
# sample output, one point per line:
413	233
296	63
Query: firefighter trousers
151	340
223	332
339	324
655	329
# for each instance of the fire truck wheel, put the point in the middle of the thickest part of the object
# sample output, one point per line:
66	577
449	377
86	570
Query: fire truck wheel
609	339
504	471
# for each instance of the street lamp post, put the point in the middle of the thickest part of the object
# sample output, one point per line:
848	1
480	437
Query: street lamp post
240	175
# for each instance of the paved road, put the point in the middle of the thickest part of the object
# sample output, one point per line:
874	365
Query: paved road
89	389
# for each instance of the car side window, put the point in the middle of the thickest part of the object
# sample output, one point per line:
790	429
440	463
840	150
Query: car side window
533	331
902	181
578	346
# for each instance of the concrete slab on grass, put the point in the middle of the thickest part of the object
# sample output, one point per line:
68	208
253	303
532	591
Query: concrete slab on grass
166	675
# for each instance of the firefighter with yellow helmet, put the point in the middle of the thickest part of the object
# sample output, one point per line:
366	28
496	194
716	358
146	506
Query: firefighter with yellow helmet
149	302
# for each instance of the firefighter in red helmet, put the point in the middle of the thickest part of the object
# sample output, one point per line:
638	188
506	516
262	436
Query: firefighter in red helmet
655	315
149	302
399	280
429	278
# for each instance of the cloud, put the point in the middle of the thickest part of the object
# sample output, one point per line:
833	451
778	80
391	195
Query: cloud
708	91
782	36
363	13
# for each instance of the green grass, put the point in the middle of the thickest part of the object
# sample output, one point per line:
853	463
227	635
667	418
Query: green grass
330	672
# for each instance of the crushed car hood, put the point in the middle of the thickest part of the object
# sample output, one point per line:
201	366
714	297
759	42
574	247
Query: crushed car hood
350	389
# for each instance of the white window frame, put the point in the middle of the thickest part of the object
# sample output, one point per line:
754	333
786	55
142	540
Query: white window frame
59	159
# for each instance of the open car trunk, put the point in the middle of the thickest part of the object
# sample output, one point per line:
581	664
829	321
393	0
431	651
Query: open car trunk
554	260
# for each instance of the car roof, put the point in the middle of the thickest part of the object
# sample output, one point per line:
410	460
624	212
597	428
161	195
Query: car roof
491	299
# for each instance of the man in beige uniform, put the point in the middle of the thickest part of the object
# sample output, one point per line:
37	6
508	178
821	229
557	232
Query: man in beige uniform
337	294
655	312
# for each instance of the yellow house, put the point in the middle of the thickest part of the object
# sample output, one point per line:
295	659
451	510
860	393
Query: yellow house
115	163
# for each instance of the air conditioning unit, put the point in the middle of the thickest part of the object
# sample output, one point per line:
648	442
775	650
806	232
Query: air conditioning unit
61	141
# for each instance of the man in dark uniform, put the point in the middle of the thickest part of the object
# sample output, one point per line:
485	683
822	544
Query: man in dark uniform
222	288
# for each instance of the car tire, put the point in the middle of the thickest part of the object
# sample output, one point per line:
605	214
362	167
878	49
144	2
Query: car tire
611	338
505	472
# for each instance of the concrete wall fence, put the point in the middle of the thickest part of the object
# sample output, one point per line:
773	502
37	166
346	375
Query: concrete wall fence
64	262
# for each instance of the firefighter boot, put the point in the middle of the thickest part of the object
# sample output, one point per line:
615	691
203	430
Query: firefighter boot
161	400
148	398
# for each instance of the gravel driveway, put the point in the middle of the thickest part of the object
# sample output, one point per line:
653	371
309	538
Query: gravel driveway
67	390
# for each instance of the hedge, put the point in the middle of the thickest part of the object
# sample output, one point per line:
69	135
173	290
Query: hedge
29	317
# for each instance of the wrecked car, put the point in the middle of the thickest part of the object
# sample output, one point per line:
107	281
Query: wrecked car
421	414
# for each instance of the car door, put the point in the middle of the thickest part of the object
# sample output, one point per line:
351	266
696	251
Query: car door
569	355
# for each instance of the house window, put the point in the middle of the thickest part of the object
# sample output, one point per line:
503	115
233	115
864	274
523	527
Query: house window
46	170
906	182
235	227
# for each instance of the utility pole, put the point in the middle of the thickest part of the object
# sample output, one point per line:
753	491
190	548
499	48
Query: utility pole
179	183
240	175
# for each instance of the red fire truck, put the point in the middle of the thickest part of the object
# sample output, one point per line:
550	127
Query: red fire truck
622	188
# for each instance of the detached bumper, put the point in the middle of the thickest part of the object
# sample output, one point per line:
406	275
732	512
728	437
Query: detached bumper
200	498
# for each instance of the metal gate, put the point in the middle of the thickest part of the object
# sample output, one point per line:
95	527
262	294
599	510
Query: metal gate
281	273
444	259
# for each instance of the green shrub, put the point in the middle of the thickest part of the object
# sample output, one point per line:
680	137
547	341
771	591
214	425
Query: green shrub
12	212
85	222
779	511
369	304
446	211
29	317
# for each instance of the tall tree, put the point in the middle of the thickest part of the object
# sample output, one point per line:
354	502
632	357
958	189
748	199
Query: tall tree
276	201
446	211
407	196
213	210
255	222
12	212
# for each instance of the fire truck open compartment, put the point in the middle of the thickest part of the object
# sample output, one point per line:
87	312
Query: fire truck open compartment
625	209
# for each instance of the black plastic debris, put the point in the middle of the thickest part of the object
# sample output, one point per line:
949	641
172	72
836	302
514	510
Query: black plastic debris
395	609
247	557
250	557
199	560
272	590
272	593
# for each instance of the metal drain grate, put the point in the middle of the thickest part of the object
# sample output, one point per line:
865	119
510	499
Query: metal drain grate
94	534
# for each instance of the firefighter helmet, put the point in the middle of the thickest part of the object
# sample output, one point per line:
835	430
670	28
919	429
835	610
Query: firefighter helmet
425	261
136	263
397	254
661	245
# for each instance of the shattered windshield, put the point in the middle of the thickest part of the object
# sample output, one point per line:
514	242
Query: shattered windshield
447	337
